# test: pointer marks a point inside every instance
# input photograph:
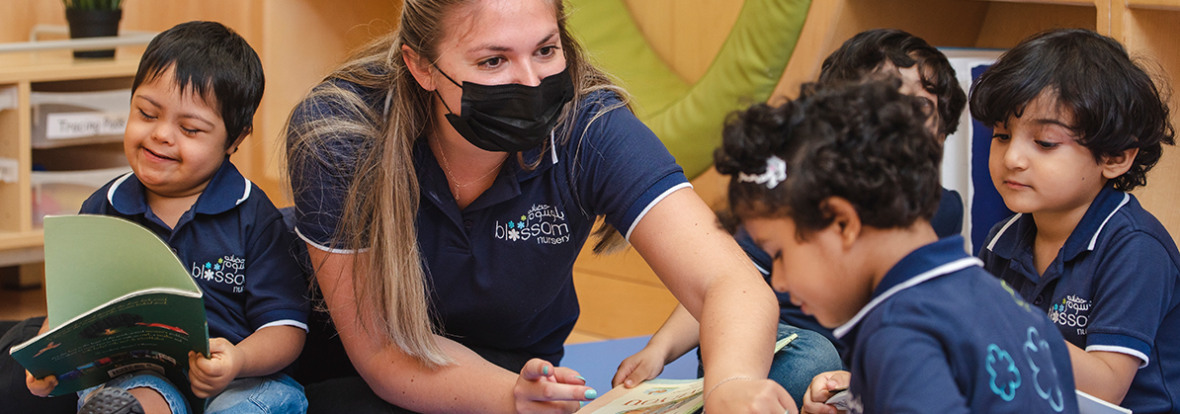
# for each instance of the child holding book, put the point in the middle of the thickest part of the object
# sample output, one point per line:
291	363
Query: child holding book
193	102
839	187
1078	125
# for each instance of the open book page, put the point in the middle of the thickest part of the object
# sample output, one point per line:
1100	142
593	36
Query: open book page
662	396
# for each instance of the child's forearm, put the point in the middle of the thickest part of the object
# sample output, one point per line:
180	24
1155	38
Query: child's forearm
270	349
679	334
1106	375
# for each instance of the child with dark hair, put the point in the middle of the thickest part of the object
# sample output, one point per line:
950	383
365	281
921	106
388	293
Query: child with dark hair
193	102
925	73
1077	125
839	187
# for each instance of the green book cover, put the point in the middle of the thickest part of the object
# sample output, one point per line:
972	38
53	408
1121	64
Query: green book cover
119	301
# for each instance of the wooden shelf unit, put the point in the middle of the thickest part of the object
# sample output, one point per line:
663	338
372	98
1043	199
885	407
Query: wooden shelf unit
28	72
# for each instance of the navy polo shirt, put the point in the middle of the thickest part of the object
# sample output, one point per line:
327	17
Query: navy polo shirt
1112	287
940	335
948	219
235	245
500	270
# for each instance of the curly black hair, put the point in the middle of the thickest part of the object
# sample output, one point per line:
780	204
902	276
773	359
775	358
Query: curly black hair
1115	103
864	142
865	52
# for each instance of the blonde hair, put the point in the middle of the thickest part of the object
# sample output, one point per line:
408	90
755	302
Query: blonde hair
381	206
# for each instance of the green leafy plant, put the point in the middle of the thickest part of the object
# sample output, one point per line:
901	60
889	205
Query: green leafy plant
93	4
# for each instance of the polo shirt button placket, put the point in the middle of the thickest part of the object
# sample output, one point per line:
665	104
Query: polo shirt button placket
468	224
1038	300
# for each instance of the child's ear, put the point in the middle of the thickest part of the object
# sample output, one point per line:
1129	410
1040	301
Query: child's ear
1114	166
233	147
418	68
844	218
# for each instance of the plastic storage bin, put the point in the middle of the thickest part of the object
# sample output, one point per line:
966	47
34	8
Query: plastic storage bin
62	192
73	118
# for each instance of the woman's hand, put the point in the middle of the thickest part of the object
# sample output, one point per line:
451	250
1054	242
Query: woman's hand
40	387
209	376
543	388
823	386
644	365
749	396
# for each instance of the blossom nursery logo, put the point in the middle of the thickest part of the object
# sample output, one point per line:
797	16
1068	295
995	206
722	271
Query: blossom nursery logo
1073	312
542	223
229	270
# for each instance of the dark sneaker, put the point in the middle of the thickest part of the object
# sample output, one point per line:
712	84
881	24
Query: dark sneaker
111	401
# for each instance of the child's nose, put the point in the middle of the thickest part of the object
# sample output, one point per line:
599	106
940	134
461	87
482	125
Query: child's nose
1014	157
163	134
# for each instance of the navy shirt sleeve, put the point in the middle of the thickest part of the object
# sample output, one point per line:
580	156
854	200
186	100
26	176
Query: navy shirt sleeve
622	168
320	179
1131	295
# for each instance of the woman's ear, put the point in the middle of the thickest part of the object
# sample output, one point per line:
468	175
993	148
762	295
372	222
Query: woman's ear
418	68
1114	166
844	218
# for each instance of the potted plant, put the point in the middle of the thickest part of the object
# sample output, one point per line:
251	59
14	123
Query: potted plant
93	18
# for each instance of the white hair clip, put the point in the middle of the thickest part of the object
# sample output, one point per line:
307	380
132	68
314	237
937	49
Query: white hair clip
776	172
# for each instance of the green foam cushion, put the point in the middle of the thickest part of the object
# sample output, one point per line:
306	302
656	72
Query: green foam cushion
689	118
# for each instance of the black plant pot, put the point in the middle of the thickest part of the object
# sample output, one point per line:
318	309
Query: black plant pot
93	23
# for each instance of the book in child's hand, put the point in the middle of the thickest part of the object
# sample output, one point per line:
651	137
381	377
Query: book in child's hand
119	301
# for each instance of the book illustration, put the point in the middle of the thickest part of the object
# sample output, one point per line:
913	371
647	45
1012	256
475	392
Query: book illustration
119	301
659	396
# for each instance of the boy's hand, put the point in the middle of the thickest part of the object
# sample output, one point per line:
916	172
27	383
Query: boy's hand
209	376
822	387
40	387
644	365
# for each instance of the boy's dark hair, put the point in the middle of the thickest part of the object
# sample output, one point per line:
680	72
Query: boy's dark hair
1114	102
863	54
216	63
864	142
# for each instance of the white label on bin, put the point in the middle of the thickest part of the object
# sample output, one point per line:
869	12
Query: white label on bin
83	124
9	170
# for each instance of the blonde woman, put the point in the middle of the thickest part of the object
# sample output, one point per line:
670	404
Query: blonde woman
445	180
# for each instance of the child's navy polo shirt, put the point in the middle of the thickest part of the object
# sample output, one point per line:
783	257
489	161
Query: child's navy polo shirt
940	335
235	245
1112	287
500	270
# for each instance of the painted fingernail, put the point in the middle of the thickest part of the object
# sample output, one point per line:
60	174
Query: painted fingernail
591	394
582	378
545	370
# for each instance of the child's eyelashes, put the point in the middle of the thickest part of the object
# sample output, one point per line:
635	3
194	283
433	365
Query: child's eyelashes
145	115
1001	137
1046	144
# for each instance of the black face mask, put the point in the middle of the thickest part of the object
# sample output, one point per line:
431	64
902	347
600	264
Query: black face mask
512	117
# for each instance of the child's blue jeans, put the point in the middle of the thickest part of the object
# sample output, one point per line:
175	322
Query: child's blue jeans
276	393
800	361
